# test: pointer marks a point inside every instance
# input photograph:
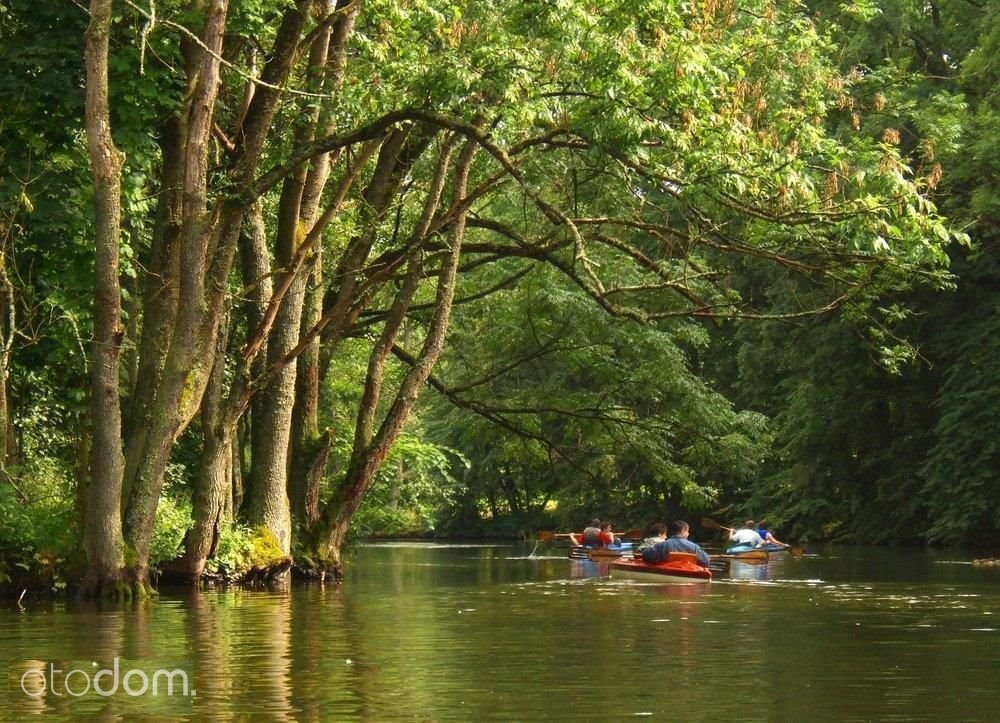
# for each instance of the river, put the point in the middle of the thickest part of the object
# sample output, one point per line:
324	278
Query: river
434	632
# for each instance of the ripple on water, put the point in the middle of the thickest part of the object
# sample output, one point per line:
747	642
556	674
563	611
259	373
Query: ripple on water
431	633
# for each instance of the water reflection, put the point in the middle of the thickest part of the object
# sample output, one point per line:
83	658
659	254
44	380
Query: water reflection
588	568
205	628
773	569
487	632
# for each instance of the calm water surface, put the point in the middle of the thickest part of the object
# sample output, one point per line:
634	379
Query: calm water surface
430	632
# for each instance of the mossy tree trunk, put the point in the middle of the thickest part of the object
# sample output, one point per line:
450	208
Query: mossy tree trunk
213	491
185	357
102	525
267	501
206	240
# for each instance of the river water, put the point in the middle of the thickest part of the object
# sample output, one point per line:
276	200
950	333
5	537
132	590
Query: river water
466	632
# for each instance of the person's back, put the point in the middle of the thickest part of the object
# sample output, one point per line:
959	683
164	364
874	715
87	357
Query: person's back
658	551
747	535
592	534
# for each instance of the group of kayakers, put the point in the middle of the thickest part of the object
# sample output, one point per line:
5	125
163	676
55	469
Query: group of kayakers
656	548
751	534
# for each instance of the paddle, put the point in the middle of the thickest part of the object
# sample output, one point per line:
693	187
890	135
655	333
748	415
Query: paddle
548	535
713	525
718	564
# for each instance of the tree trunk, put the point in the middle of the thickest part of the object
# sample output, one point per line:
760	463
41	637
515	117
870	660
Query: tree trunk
159	309
268	485
207	243
255	266
261	504
212	501
370	450
102	526
7	330
266	501
309	447
185	361
241	468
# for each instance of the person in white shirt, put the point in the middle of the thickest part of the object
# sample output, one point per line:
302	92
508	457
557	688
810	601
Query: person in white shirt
746	536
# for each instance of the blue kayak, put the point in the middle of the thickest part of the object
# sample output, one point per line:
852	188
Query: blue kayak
768	547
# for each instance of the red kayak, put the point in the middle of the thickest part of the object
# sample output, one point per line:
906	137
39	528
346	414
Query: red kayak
679	567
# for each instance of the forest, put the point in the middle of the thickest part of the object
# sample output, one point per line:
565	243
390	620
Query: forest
277	275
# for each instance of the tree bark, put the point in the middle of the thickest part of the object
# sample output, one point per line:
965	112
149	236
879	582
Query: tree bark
7	330
308	446
256	268
186	360
212	501
102	526
267	486
207	242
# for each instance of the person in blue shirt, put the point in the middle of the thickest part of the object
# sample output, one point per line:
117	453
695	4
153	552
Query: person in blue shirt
677	542
766	536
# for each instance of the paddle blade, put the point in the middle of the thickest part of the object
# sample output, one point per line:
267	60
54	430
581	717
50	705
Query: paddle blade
633	534
713	525
546	535
718	564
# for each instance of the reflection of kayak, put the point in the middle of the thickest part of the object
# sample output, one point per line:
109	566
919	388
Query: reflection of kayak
749	552
679	567
611	552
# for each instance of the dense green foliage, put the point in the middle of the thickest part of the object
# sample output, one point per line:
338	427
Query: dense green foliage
899	446
575	410
702	270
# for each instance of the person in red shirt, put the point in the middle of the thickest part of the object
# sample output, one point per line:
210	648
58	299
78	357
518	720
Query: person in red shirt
599	534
